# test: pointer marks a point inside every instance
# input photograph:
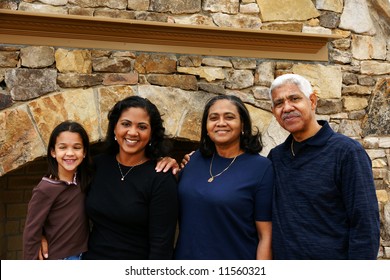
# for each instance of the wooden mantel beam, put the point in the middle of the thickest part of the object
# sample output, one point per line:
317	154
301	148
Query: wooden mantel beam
26	28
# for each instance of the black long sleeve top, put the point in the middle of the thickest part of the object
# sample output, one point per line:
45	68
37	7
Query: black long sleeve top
132	219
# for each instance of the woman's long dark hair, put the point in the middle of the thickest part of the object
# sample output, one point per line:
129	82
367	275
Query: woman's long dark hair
84	170
250	140
159	144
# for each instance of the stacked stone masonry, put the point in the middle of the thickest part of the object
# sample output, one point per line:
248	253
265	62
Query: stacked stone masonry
43	85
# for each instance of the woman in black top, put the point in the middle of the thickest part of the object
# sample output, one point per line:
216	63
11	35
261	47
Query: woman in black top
132	207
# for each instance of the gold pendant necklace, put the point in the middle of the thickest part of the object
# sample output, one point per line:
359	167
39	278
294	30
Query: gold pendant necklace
211	166
131	168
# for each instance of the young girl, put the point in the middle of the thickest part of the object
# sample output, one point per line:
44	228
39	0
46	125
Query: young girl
56	208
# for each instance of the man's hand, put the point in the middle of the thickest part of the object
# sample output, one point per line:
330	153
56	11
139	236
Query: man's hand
166	163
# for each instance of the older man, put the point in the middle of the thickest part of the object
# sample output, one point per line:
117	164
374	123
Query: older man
325	206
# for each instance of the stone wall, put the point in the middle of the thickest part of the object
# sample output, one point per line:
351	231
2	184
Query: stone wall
43	85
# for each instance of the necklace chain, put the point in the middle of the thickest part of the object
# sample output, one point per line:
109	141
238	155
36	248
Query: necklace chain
211	166
131	168
292	147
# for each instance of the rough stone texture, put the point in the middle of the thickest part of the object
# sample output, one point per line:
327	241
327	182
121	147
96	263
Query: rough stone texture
382	196
340	57
384	142
186	82
354	103
273	136
243	63
37	57
19	141
41	8
194	20
25	84
260	118
112	64
350	128
366	81
239	79
264	74
357	115
356	17
223	6
342	44
261	92
183	123
286	10
316	30
325	88
237	21
9	59
77	105
81	11
9	4
190	61
216	88
380	11
356	89
251	8
349	79
138	5
386	225
208	73
375	68
378	117
5	100
329	19
73	61
114	4
155	63
107	97
329	106
368	47
176	7
283	26
330	5
216	62
147	16
114	13
120	79
73	80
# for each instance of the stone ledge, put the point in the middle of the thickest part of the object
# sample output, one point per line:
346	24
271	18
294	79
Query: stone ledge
88	32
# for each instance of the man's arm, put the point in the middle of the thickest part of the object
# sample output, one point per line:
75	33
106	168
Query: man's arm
361	203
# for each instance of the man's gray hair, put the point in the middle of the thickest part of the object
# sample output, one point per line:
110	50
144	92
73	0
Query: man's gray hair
302	83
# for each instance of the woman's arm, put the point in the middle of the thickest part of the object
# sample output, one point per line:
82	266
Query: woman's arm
264	231
163	213
166	163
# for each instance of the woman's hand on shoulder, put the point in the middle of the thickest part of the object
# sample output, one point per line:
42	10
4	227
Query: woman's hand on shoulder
186	159
167	163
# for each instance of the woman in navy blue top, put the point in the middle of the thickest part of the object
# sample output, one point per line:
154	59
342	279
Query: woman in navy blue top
225	191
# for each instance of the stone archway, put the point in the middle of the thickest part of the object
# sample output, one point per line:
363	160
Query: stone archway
27	127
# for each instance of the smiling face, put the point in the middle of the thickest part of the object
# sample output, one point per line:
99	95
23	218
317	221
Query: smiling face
224	124
294	111
69	153
133	132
